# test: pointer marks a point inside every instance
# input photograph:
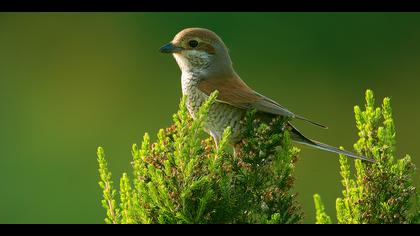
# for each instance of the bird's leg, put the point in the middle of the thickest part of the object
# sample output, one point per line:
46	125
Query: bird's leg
216	143
216	140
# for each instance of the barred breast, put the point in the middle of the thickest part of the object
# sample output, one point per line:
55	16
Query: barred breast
221	115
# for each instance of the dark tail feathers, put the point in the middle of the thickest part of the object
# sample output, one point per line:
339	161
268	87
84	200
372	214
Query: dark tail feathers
310	121
298	137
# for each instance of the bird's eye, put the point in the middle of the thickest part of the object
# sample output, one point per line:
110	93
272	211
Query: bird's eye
193	43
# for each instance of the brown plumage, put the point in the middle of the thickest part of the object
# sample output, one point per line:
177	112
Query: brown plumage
206	66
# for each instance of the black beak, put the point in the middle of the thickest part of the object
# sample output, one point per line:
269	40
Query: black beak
170	48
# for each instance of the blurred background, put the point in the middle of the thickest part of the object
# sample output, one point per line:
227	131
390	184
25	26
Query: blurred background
70	82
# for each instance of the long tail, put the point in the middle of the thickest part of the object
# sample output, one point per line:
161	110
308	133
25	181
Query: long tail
310	121
298	137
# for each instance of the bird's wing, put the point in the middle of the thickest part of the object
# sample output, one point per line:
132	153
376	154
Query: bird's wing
234	91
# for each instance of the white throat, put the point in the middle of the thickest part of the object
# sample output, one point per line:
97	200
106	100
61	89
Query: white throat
192	60
194	65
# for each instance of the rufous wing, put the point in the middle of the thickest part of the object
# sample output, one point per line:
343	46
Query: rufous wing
234	91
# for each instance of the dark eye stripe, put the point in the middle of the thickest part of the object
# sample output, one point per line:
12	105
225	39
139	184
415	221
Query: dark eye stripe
207	48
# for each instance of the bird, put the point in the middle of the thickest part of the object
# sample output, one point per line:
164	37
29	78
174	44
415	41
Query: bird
206	66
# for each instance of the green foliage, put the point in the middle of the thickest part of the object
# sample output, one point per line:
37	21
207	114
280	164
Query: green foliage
109	192
382	192
321	216
184	178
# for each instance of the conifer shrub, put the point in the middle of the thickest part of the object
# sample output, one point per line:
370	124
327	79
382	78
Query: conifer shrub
382	192
183	178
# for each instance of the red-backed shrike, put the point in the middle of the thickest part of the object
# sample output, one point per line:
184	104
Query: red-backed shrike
206	66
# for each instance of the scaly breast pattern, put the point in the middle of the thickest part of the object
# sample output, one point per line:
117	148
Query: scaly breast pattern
220	115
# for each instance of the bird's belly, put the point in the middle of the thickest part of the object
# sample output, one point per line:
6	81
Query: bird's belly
221	115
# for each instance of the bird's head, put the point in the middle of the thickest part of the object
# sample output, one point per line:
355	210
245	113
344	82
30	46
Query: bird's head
199	50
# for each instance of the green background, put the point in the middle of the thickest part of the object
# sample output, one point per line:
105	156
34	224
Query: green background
70	82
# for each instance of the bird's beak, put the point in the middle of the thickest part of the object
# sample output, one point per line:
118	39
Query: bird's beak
170	48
